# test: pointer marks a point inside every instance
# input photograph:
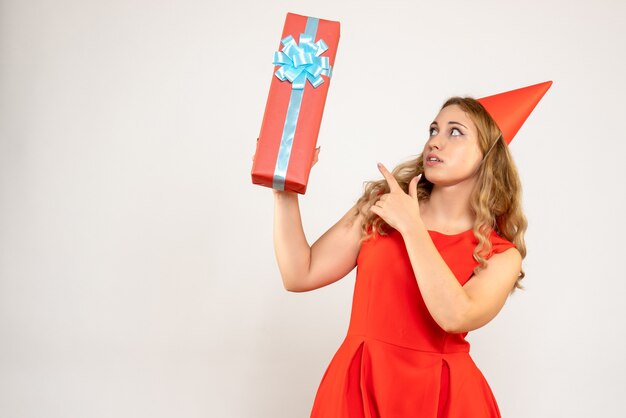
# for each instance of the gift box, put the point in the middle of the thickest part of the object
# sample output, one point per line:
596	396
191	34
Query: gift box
295	104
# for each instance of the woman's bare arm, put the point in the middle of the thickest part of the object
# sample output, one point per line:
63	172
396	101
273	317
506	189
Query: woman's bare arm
329	259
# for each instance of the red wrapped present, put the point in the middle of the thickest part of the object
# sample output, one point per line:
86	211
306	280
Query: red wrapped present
295	104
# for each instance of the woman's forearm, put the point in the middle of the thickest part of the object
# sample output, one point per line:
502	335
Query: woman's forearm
292	250
443	295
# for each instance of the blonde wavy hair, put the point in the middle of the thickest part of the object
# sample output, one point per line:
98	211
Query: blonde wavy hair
495	201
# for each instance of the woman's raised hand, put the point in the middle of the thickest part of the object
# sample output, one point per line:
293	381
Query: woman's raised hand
287	192
316	156
399	209
315	160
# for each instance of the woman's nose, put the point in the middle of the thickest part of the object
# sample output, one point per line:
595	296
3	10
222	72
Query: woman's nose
434	141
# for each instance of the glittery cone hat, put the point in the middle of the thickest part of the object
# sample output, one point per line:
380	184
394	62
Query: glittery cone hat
511	109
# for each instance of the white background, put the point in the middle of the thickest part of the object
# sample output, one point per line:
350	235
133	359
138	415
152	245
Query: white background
137	272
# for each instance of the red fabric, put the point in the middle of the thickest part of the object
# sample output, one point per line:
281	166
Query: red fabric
395	361
443	392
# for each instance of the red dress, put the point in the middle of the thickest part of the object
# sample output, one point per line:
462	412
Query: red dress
395	361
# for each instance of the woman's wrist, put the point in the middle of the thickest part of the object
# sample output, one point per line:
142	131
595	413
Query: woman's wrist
280	194
416	227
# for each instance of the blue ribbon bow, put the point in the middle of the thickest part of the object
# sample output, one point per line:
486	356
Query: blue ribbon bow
301	62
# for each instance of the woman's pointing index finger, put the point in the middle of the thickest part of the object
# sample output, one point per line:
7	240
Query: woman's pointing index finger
391	180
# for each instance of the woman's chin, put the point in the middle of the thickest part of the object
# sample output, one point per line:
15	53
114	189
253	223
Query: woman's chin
434	178
445	180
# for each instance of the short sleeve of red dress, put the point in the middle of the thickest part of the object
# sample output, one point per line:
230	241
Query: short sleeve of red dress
499	244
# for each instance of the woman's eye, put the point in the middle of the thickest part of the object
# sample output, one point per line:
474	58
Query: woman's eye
430	131
455	129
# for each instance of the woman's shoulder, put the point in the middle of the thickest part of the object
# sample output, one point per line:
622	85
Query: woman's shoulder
498	243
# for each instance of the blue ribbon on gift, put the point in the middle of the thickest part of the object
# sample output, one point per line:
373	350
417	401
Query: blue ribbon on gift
299	62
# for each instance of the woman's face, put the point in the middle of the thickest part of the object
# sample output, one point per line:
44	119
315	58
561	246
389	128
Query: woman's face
453	137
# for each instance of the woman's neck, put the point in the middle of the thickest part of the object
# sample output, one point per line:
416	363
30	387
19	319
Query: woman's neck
448	209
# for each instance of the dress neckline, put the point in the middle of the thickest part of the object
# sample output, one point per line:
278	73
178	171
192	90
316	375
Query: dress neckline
451	235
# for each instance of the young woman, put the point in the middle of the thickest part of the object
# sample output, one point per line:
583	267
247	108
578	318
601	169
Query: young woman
438	245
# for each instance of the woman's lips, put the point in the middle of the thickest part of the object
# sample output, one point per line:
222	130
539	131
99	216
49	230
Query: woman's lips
433	163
